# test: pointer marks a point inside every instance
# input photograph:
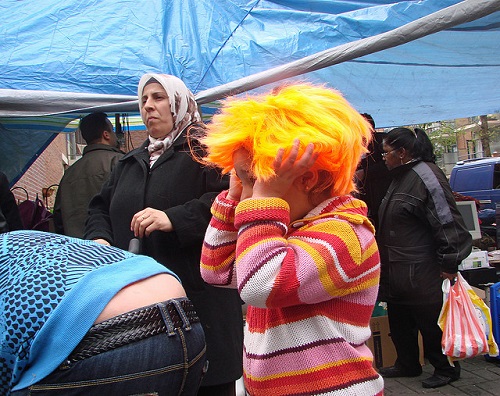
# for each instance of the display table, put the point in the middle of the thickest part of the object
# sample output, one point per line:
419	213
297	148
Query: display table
479	277
494	261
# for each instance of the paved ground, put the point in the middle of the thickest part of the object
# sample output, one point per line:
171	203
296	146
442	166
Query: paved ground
479	378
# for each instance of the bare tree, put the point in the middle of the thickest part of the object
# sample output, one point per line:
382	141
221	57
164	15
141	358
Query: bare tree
484	135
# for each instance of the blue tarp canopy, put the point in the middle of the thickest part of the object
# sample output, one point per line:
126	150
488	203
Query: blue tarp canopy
404	62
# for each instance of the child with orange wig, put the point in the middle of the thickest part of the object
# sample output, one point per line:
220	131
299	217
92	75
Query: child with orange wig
295	243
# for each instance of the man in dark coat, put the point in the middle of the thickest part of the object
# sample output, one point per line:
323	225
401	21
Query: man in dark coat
85	177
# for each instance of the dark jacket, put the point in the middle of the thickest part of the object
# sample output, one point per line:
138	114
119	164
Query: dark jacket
10	219
375	179
185	190
79	184
421	234
4	227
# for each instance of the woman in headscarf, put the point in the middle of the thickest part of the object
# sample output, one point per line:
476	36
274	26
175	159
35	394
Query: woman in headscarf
160	195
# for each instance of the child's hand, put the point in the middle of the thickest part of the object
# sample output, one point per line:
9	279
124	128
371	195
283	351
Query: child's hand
242	178
287	170
235	187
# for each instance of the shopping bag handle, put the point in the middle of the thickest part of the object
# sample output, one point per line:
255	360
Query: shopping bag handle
446	286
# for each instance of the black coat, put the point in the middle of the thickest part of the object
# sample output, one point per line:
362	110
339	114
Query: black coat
376	178
10	219
185	190
80	182
421	234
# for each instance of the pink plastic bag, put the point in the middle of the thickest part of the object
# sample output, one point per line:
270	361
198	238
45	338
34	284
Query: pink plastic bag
466	322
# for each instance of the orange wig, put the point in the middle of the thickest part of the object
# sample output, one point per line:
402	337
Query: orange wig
265	123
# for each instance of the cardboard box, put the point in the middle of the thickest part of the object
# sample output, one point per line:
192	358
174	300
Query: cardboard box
477	259
380	343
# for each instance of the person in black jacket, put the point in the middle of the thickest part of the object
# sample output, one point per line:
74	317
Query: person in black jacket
84	179
422	239
10	219
159	194
372	176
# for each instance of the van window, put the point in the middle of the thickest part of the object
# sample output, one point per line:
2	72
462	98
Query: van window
473	178
496	177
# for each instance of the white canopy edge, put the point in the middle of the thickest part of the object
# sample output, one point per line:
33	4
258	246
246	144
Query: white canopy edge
28	103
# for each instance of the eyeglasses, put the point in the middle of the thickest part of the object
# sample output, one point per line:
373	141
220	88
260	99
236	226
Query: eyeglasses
388	152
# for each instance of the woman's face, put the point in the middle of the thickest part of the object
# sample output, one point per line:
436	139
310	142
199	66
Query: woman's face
390	156
155	111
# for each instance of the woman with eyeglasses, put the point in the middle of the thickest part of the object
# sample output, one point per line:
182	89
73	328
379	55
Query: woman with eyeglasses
422	240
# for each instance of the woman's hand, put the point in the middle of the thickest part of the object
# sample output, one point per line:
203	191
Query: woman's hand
102	242
148	220
287	170
451	277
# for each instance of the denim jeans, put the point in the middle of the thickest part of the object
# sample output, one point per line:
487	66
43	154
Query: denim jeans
161	365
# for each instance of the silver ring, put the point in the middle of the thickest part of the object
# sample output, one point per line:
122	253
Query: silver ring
143	218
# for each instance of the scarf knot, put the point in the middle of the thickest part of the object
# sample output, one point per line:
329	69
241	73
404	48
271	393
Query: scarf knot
157	147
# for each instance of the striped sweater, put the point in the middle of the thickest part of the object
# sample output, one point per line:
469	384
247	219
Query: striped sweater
310	287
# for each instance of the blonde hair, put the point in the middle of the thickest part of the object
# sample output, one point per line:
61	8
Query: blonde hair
265	123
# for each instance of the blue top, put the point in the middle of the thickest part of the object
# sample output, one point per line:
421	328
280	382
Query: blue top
52	289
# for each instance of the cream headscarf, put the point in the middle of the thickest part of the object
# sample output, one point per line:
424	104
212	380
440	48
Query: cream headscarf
182	105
